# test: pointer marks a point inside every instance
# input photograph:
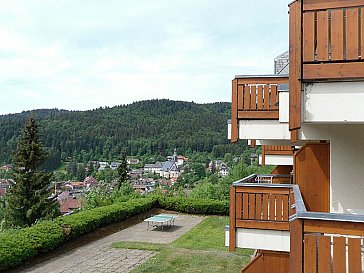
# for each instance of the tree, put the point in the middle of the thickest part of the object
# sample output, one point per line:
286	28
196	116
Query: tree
29	200
122	171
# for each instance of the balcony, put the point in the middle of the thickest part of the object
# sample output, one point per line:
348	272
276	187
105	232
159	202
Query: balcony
255	98
276	155
326	61
273	217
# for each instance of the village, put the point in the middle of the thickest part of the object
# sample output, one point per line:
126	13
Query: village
144	180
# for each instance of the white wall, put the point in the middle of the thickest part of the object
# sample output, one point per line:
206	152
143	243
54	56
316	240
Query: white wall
273	160
332	102
263	129
273	240
283	106
347	167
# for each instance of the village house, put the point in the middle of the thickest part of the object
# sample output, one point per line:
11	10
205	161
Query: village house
90	182
308	214
153	168
114	165
181	160
69	206
132	161
169	169
103	165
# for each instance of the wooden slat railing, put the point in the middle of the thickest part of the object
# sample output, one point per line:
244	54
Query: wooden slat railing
258	206
324	242
320	242
326	42
254	98
333	42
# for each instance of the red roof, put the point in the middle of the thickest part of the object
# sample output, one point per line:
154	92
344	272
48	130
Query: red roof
69	205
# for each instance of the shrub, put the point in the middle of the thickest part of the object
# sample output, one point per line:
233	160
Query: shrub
18	246
22	244
88	220
195	206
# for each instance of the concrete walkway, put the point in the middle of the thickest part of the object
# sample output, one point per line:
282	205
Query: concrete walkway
98	256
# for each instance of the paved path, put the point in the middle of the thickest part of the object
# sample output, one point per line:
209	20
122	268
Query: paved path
98	256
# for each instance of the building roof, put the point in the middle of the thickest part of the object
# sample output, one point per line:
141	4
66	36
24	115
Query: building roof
169	166
70	204
90	180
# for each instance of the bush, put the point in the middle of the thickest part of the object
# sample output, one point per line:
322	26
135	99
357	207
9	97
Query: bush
195	206
20	245
88	220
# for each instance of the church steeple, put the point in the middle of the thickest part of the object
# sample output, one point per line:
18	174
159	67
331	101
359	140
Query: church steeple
175	155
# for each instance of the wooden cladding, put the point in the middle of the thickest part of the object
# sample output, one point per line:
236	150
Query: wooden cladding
277	150
259	208
326	42
332	253
254	98
333	35
333	40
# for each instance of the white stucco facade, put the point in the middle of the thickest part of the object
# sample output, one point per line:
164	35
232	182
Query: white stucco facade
347	168
263	129
273	240
273	160
333	102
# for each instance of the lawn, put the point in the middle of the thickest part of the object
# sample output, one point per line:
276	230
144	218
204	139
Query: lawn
199	250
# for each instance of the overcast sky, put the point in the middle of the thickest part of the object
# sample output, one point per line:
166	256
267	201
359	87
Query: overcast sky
82	54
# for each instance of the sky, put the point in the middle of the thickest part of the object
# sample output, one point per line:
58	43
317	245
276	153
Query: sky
83	54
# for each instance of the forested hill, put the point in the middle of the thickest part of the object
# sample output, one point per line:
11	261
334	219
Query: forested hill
142	128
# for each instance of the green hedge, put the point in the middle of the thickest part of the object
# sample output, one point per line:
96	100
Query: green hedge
18	246
193	206
88	220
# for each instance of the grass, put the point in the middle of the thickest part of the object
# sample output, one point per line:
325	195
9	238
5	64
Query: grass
199	250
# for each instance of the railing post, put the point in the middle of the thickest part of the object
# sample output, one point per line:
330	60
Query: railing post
232	230
296	247
234	112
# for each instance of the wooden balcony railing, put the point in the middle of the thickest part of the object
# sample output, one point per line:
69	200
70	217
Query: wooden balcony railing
254	98
258	206
325	242
333	40
277	150
319	242
326	41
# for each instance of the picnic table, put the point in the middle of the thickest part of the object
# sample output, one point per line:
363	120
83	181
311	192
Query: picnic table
160	220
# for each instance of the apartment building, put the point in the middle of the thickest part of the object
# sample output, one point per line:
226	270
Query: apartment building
310	124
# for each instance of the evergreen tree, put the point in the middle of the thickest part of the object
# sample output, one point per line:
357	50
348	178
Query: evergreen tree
122	171
28	199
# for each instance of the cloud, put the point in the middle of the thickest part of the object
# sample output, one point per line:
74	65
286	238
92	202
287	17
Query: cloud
84	54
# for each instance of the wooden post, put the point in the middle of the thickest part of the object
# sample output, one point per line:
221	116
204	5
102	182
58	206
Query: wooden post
263	155
295	64
296	247
232	227
234	112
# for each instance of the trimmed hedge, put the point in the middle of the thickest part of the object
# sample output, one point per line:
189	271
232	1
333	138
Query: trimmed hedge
18	246
193	206
89	220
